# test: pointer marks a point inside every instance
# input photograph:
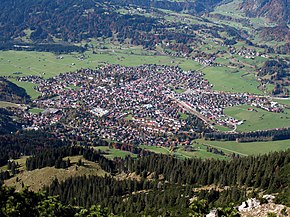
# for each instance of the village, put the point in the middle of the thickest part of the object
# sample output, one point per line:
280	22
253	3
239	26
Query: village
149	104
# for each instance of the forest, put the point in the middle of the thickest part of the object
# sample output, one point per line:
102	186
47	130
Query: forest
46	21
163	179
10	92
163	184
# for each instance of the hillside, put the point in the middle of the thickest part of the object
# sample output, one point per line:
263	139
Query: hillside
164	184
35	180
274	10
10	92
8	124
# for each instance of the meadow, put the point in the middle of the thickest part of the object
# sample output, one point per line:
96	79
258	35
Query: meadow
231	80
179	152
35	110
4	104
47	65
258	120
283	101
24	63
112	152
36	181
248	148
28	86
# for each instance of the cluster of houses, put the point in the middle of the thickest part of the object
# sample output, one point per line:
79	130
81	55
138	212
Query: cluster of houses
211	104
132	104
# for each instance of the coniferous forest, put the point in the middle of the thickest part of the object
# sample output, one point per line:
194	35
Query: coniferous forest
163	185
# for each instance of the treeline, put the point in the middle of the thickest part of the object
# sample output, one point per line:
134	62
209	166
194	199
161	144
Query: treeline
13	146
10	92
88	190
137	198
265	172
54	48
54	157
167	182
266	135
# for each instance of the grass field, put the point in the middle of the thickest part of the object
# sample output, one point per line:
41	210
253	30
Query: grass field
283	101
260	120
112	152
179	152
158	150
200	152
39	178
231	80
249	148
4	104
36	110
222	128
25	63
48	64
29	87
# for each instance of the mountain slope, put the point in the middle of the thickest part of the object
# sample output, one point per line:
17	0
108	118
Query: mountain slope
274	10
10	92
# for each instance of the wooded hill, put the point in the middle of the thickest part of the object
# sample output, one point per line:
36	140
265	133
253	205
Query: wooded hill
7	123
10	92
74	20
162	184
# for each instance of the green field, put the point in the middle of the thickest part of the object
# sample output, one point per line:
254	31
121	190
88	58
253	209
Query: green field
249	148
36	110
4	104
231	80
112	152
179	152
260	120
28	86
23	63
200	152
183	116
156	149
283	101
222	128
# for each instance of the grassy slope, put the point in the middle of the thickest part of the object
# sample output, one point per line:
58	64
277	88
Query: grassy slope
38	178
28	86
258	120
4	104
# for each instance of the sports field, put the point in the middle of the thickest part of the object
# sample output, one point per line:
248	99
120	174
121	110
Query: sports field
258	120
